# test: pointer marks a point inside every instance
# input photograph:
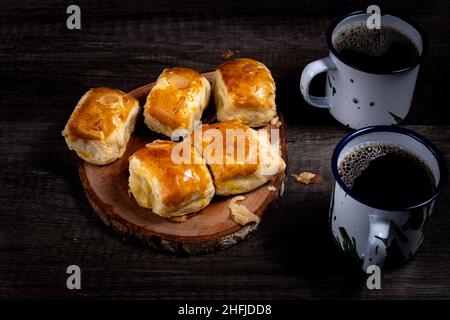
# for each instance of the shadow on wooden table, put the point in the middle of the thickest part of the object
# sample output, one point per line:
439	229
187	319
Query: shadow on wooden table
305	249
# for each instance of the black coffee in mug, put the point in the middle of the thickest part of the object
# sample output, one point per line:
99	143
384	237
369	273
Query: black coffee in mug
386	176
382	50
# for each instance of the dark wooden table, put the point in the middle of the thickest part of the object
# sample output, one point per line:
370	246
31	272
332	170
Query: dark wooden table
46	222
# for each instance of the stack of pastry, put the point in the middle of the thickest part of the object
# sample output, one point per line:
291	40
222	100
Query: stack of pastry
244	94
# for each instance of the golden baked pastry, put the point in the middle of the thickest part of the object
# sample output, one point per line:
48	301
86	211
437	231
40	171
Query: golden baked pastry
166	186
101	124
177	100
244	90
240	159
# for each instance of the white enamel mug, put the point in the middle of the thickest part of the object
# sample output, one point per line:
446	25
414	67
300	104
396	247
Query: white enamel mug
373	235
359	97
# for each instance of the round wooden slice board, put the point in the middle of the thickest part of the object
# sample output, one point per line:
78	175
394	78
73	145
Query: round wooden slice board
212	228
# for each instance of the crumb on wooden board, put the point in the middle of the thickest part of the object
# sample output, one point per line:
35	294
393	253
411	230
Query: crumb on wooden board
240	213
308	178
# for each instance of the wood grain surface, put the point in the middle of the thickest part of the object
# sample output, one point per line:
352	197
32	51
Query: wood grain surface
211	229
47	223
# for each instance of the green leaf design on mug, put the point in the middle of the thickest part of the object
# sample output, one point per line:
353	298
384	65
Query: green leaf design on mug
336	240
401	235
349	245
384	240
331	210
415	220
394	255
397	119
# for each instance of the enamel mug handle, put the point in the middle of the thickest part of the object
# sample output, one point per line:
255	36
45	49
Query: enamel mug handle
309	72
379	230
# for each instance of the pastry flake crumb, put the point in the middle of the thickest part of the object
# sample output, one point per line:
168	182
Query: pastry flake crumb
98	126
179	219
111	100
240	214
178	106
275	122
177	80
229	53
271	188
308	178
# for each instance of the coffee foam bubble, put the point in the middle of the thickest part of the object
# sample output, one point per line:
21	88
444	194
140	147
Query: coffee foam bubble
372	42
358	158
